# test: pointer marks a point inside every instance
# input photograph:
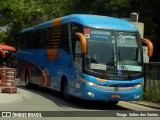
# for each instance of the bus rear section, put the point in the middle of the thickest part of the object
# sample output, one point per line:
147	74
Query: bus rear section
7	56
8	68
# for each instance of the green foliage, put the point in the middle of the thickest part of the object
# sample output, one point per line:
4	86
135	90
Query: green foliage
149	13
19	14
2	36
116	8
149	97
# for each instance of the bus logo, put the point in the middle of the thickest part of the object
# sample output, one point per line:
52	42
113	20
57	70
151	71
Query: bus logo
119	72
116	89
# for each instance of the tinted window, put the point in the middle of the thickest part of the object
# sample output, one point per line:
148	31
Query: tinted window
59	37
34	39
64	40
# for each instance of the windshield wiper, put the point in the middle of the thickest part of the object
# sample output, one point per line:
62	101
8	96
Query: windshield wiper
119	55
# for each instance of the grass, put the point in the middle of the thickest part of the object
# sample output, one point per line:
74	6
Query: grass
152	91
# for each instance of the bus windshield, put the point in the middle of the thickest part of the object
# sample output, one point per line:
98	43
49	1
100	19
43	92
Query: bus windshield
10	59
128	51
112	52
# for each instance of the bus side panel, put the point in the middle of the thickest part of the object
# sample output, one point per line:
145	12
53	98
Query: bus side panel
62	67
44	72
27	62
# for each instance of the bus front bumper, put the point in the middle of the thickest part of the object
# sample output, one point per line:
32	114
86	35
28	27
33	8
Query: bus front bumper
92	93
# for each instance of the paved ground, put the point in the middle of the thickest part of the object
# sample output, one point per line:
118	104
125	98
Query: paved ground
35	97
148	104
35	100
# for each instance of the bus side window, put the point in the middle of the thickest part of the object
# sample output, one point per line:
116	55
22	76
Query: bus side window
64	39
78	55
1	59
73	45
76	46
75	28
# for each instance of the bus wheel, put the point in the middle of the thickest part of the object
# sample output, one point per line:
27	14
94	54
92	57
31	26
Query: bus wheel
112	103
65	92
27	83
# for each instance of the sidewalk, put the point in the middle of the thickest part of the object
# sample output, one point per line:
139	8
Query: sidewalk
147	104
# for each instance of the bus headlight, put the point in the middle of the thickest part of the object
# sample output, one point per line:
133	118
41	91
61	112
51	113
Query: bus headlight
137	86
90	94
142	84
89	83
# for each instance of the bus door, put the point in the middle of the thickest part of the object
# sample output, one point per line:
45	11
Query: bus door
2	55
77	60
79	51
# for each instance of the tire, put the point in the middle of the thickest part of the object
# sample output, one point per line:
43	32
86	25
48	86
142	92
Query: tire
65	91
112	103
27	77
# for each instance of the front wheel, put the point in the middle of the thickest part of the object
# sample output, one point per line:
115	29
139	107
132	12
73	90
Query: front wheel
27	83
112	103
65	92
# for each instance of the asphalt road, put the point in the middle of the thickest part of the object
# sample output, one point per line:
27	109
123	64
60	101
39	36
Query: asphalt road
41	100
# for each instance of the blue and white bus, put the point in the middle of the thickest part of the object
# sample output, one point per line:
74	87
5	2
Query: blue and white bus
87	56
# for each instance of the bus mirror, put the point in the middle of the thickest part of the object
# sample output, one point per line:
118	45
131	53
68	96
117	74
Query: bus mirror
150	46
82	41
3	53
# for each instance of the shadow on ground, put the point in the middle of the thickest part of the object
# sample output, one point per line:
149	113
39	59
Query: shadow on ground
75	103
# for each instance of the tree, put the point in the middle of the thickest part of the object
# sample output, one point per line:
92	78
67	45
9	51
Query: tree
149	14
114	8
19	14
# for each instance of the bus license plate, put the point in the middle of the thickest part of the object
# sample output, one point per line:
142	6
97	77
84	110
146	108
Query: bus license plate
115	96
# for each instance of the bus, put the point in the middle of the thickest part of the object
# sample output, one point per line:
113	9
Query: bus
7	56
90	57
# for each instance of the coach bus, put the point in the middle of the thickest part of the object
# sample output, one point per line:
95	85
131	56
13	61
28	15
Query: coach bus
86	56
7	56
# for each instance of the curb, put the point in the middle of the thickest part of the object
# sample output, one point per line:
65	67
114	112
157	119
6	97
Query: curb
147	105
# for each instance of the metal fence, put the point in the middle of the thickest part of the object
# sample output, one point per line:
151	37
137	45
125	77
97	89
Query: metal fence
152	81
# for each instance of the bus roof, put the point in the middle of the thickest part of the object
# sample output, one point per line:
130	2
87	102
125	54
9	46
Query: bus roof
6	47
95	21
